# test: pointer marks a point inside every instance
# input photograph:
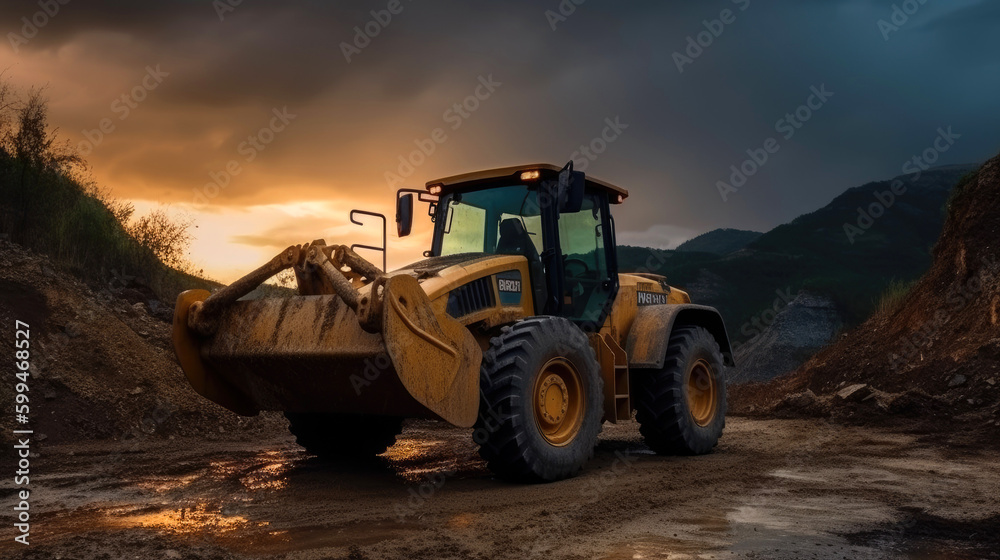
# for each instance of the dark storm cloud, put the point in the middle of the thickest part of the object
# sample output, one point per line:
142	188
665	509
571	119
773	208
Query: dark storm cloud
686	126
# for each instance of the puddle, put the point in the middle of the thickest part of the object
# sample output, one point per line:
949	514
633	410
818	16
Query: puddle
418	460
921	536
163	484
267	470
236	530
202	518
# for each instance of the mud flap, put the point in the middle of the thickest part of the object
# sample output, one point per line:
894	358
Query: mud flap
436	358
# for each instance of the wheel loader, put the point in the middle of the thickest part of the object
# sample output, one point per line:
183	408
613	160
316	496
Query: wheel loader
517	325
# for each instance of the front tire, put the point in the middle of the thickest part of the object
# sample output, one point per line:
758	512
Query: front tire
681	408
343	436
541	401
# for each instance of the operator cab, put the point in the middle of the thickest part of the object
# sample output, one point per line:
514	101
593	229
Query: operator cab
555	217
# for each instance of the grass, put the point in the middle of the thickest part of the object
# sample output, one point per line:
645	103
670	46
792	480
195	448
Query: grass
892	298
50	205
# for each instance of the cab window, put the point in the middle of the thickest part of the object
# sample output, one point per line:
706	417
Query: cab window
581	236
464	229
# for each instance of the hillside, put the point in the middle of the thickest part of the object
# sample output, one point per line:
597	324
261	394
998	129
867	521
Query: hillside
814	253
720	241
936	356
102	363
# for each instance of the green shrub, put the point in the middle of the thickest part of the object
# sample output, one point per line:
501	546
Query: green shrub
49	204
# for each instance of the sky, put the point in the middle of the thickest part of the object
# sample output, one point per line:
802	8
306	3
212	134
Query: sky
267	122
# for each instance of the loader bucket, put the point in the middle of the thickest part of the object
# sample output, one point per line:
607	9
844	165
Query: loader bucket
206	382
437	359
317	354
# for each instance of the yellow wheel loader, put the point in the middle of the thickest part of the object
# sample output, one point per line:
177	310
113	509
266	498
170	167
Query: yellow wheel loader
517	325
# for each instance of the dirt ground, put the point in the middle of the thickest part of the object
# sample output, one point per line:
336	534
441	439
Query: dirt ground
773	489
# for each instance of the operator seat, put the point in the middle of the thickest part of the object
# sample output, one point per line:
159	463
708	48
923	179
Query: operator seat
515	240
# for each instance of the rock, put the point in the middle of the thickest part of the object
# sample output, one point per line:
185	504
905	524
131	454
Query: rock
957	381
801	400
992	381
139	307
171	554
136	391
73	330
855	393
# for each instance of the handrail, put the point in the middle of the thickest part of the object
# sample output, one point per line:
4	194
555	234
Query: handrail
381	249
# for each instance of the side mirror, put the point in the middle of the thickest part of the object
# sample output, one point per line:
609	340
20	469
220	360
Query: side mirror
404	215
572	187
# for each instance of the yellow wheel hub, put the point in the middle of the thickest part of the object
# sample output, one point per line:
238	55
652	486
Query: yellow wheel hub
558	401
702	393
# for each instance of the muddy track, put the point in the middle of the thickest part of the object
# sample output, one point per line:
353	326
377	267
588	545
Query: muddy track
773	489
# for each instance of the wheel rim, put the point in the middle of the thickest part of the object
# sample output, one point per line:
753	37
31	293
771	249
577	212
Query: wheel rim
702	393
557	402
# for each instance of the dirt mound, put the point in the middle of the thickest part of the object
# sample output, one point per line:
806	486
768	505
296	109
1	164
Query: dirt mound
102	364
936	357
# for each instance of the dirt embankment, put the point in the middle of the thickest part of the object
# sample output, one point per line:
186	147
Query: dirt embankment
102	364
936	357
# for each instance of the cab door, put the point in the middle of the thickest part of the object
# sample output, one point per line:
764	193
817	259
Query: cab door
588	263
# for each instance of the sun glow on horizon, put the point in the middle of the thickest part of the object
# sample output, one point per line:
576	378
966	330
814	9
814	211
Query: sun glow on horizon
230	241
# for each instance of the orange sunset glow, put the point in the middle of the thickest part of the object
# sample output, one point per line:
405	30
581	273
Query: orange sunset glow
267	124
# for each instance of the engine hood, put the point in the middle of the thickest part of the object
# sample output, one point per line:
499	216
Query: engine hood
439	275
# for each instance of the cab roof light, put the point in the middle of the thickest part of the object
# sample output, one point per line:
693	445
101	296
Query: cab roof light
530	175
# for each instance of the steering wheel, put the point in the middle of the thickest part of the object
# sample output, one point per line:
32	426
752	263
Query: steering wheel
581	267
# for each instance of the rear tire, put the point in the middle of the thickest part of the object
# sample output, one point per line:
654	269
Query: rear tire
344	436
681	408
541	401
